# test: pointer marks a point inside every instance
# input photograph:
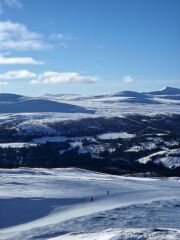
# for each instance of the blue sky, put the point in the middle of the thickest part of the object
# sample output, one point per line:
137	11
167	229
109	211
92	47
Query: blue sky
88	46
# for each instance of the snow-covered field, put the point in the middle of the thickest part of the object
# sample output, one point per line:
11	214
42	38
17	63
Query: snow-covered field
16	145
116	135
56	204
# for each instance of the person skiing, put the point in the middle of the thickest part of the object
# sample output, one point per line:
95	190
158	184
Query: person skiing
107	192
92	199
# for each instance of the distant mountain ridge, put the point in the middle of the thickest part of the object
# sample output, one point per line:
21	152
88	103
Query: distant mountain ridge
150	97
10	97
135	94
14	103
166	91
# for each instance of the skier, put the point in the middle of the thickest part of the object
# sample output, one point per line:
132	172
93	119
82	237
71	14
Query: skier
107	193
92	199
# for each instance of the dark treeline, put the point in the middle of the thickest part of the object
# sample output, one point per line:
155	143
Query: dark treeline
48	156
113	155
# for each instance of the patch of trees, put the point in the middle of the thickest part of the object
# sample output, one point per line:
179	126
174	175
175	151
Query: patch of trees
48	156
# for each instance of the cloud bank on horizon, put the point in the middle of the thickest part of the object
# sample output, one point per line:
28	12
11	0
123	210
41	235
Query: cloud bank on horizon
56	53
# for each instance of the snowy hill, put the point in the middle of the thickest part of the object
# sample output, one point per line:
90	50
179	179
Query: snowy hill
160	101
166	91
131	97
130	94
10	103
9	97
56	205
135	97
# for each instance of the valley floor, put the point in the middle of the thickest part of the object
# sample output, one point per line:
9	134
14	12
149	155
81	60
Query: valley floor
74	204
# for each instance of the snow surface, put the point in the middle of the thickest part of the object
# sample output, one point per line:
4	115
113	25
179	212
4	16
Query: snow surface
169	158
125	234
143	147
116	135
16	145
55	204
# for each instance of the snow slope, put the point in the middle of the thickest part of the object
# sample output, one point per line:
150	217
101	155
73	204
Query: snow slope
55	204
166	91
30	105
125	234
168	158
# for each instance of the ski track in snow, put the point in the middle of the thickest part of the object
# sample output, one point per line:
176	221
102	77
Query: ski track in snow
44	201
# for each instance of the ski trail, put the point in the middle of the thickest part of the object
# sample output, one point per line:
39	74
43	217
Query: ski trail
79	210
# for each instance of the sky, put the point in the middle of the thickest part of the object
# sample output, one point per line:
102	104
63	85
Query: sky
88	46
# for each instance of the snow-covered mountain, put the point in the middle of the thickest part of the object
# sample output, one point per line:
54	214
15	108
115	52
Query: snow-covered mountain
12	103
9	97
131	97
166	91
74	103
135	97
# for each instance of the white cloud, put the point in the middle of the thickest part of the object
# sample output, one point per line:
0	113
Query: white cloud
18	60
128	79
16	36
21	74
62	77
48	77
